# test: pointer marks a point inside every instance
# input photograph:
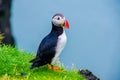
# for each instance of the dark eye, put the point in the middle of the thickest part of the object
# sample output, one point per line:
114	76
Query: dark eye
58	18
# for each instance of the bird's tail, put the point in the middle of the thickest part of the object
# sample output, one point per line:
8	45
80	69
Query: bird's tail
35	62
31	61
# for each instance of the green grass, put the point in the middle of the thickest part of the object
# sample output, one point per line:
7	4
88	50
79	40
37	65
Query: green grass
13	62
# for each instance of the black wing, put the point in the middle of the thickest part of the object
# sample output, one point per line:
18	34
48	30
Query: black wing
47	46
46	51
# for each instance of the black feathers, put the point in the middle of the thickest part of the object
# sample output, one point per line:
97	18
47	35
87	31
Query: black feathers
46	50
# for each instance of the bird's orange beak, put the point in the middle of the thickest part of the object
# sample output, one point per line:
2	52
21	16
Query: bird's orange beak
66	24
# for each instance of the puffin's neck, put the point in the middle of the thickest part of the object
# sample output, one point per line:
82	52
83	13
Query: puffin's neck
58	30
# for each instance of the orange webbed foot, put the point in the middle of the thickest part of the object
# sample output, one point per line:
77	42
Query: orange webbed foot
54	68
49	66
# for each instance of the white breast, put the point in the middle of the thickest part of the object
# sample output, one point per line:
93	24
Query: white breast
60	46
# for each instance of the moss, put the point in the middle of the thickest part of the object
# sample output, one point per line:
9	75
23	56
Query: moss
14	65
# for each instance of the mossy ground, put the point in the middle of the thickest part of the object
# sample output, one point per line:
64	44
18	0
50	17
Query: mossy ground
14	65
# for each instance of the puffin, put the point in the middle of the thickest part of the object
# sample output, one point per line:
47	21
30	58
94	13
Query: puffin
52	45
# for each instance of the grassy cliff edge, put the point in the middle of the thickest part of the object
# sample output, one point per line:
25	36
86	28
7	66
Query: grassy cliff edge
14	65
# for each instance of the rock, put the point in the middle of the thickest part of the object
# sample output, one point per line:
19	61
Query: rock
5	25
88	74
23	74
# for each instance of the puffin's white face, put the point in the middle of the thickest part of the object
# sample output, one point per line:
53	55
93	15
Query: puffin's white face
60	21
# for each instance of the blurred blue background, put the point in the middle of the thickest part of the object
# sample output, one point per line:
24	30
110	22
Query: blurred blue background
93	37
